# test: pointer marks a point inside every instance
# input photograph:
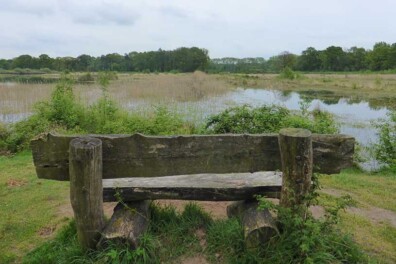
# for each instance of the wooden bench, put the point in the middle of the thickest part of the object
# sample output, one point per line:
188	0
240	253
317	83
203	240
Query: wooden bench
133	169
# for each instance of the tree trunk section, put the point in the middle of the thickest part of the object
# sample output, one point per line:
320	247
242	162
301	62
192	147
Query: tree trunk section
296	155
258	225
86	190
128	222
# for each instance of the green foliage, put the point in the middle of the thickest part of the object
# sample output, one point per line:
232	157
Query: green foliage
288	74
86	78
268	118
4	134
385	149
64	113
63	108
170	235
304	239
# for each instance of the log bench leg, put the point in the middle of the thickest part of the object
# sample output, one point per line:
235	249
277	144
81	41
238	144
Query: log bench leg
128	222
258	225
86	191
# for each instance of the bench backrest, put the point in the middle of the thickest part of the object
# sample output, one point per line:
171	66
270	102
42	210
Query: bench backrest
152	156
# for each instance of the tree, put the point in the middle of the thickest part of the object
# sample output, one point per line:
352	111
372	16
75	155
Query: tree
357	59
334	59
309	60
379	56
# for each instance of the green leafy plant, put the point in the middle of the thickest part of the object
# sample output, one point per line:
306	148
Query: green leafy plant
268	118
385	149
304	239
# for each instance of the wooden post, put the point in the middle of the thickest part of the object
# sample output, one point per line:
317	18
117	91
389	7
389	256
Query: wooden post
86	191
296	155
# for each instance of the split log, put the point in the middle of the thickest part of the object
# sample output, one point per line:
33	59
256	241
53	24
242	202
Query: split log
148	156
128	222
206	187
296	154
259	226
86	189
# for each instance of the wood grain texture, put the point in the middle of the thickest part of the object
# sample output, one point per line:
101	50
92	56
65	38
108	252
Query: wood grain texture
148	156
128	222
258	224
86	189
206	187
296	153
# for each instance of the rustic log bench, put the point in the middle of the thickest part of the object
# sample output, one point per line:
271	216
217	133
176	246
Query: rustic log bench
133	169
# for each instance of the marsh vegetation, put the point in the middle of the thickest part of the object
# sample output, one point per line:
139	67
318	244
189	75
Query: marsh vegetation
184	104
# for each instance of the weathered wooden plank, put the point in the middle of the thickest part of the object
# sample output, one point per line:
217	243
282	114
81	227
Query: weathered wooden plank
207	187
149	156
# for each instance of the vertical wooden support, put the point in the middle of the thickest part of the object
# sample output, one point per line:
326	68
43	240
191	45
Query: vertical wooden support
296	155
86	191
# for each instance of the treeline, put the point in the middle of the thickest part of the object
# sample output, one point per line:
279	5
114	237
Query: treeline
179	60
381	57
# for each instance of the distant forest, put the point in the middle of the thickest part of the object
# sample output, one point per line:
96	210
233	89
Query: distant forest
381	57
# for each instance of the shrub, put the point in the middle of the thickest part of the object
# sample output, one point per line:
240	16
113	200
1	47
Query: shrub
4	134
268	118
62	109
385	149
86	78
288	74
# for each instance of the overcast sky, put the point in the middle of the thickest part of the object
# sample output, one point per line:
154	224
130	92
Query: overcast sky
246	28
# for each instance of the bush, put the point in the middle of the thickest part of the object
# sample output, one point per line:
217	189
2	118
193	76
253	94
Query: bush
4	134
62	109
267	119
63	113
86	78
288	74
385	149
304	239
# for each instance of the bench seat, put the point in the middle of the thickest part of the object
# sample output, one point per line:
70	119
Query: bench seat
207	187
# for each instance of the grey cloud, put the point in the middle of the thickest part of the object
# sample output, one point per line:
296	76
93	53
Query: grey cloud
99	13
39	8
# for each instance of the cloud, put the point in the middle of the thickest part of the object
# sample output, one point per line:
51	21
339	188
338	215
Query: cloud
100	12
38	8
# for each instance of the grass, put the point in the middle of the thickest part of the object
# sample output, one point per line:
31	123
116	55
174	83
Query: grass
367	190
28	207
30	218
374	189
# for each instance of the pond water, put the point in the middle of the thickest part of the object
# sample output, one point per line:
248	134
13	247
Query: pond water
354	116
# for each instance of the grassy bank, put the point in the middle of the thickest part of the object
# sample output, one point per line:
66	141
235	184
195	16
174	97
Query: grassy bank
31	216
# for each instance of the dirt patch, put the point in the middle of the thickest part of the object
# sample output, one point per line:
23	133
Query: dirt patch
201	235
375	215
198	259
334	192
66	210
317	211
15	183
46	231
